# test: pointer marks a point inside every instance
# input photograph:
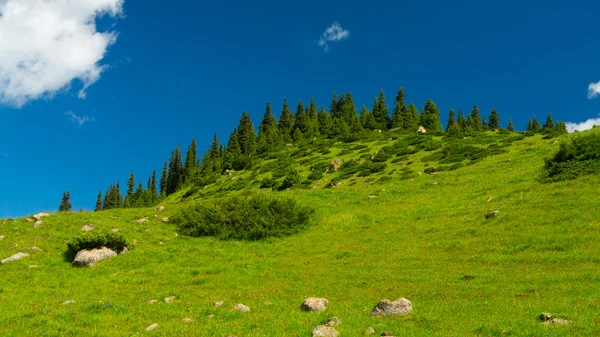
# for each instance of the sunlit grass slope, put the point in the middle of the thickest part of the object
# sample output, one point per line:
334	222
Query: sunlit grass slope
411	235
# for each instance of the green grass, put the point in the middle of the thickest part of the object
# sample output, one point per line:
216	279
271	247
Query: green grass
417	238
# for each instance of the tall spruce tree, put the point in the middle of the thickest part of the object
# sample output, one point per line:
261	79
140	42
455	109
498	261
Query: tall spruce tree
138	196
129	196
311	113
325	123
152	187
549	125
461	120
381	112
233	151
366	119
164	181
301	121
398	115
510	126
452	123
535	125
494	120
474	119
286	122
189	168
268	134
246	135
529	125
430	118
98	207
65	202
561	127
412	120
174	179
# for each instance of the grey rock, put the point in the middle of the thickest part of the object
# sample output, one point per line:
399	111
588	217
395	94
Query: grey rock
314	304
34	249
37	223
1	237
544	317
14	257
115	230
140	221
170	299
88	227
68	302
241	307
88	258
152	327
40	215
160	208
333	321
268	303
29	219
218	303
186	320
14	245
492	214
152	301
399	307
165	219
325	331
547	318
387	333
369	331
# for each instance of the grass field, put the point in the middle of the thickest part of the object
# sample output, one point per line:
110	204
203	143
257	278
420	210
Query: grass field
410	235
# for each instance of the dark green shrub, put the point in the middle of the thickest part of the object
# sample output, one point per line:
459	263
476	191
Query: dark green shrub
244	218
242	163
291	178
91	240
268	183
579	154
381	156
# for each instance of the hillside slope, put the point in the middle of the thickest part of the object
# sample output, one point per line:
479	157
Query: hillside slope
389	233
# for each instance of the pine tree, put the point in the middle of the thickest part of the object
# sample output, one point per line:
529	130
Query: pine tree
399	111
561	127
381	112
549	125
164	182
452	123
268	134
535	125
65	203
129	196
529	125
311	113
462	121
98	202
366	119
474	119
174	178
334	106
430	118
189	168
494	120
325	123
510	126
484	125
297	137
246	135
412	120
232	152
286	122
138	196
152	187
301	121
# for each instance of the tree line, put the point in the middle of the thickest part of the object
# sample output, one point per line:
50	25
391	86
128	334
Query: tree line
341	121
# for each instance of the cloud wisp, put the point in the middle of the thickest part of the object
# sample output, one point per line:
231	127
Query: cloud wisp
333	33
45	45
588	124
593	90
79	120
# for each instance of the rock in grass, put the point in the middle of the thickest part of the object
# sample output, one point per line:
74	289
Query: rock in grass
88	227
14	257
492	214
152	301
369	331
140	221
324	331
170	299
165	219
241	307
1	237
29	219
387	333
68	302
186	320
34	249
333	321
399	307
14	245
160	208
218	303
40	215
152	327
37	223
88	258
314	304
547	318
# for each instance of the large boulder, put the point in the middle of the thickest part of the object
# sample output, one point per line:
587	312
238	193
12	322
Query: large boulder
40	215
14	257
88	258
399	307
314	304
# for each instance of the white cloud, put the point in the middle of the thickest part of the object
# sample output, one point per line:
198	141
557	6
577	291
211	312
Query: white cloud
335	32
46	44
593	90
79	120
571	127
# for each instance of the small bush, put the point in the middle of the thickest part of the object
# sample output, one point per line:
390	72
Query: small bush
578	155
244	218
268	183
291	178
91	240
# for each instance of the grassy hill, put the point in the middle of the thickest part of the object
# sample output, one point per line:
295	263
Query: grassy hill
404	217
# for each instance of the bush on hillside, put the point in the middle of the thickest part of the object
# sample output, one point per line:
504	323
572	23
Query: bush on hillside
244	218
91	240
579	154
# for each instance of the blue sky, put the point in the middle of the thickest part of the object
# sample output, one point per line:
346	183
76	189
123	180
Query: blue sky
83	105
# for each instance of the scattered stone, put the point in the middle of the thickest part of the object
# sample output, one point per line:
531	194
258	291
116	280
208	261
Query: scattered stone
468	277
507	161
241	307
422	129
492	214
333	321
544	317
1	237
186	320
335	164
435	182
160	208
68	302
165	219
88	258
170	299
152	327
325	331
140	221
268	303
152	301
14	257
14	245
387	333
115	230
161	243
369	331
372	196
390	139
88	227
218	303
33	266
40	215
29	219
548	319
399	307
420	173
289	144
210	316
37	223
490	199
314	304
155	215
34	249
